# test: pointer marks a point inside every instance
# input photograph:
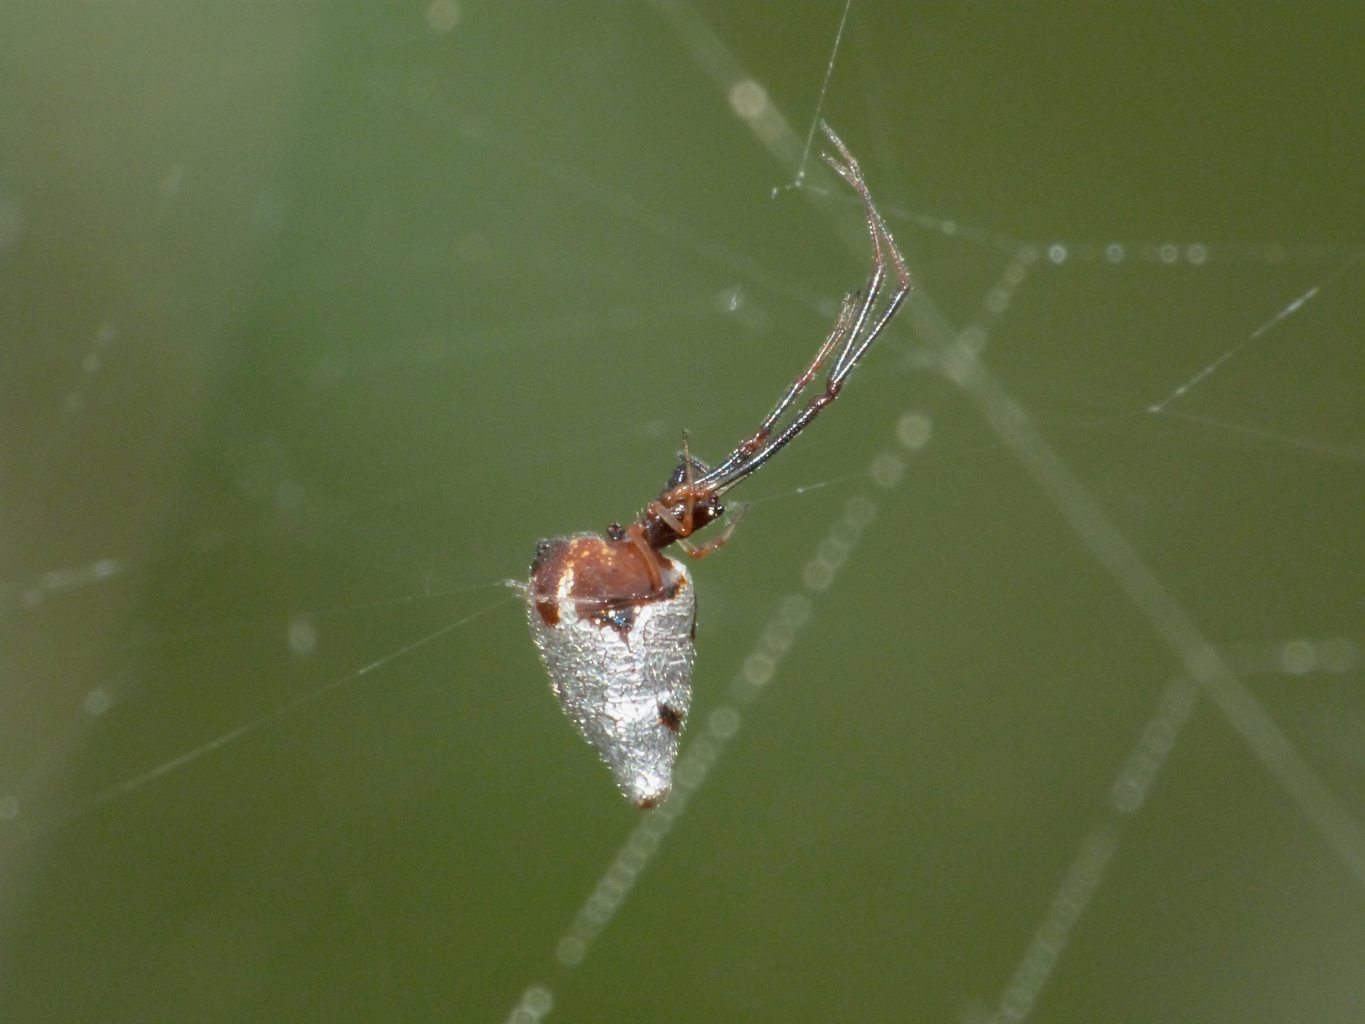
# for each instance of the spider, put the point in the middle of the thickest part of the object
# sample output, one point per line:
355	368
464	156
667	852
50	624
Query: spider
615	618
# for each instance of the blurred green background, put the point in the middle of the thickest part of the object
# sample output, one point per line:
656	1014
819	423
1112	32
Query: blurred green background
315	316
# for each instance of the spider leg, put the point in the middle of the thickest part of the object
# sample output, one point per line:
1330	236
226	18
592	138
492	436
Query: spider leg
855	329
702	550
838	335
842	330
882	244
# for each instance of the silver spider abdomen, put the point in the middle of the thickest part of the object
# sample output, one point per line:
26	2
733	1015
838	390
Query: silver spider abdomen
619	650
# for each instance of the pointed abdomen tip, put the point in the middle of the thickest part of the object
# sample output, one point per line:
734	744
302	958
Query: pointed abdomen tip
648	792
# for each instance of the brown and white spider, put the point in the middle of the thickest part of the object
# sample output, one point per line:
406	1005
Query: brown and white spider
614	618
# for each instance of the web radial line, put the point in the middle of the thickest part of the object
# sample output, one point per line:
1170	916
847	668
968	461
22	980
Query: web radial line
1318	449
1172	623
824	88
1210	369
713	56
1284	313
174	764
1082	880
1040	957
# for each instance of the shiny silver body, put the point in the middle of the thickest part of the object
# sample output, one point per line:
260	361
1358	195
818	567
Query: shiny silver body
628	687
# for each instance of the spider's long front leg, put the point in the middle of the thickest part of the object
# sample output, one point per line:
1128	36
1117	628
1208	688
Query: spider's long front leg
882	246
843	324
837	336
855	329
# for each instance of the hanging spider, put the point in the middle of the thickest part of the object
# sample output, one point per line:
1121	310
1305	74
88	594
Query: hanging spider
615	619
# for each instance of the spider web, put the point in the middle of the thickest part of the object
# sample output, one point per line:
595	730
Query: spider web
1044	700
